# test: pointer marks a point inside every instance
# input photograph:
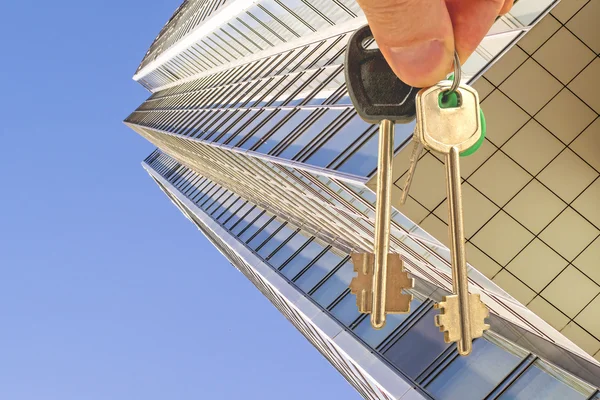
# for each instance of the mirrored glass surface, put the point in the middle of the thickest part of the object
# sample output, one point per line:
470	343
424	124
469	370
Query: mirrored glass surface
418	347
472	377
543	382
374	337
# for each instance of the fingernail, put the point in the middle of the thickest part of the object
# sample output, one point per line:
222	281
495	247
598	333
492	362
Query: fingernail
420	65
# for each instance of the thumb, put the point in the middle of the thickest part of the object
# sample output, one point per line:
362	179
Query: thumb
415	37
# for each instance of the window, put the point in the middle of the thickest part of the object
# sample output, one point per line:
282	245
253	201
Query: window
336	144
325	264
242	131
473	377
258	134
283	131
335	285
255	226
543	382
302	259
281	236
374	337
264	233
309	134
238	214
289	248
346	310
418	347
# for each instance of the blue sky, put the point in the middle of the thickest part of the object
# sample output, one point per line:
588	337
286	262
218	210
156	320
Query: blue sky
105	288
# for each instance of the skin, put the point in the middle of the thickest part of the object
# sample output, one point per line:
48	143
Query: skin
418	37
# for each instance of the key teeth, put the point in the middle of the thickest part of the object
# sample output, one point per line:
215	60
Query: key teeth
449	306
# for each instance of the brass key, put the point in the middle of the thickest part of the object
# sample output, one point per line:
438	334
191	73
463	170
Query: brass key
380	97
450	131
414	159
381	277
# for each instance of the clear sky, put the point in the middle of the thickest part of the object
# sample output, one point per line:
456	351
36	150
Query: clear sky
106	290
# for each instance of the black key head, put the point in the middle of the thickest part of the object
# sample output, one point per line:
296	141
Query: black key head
376	92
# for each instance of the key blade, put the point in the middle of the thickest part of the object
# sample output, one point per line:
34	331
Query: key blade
414	159
383	215
397	280
362	284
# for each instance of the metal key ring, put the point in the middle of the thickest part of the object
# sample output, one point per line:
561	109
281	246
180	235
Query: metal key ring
457	74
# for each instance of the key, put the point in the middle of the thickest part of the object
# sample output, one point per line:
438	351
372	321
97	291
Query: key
414	159
451	131
379	97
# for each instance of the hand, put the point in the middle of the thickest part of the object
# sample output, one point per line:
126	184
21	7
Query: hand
418	37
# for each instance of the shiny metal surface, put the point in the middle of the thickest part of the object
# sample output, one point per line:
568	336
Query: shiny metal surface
397	280
414	159
382	221
450	131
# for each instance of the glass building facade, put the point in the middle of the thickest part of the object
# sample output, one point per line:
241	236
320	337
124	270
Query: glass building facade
260	147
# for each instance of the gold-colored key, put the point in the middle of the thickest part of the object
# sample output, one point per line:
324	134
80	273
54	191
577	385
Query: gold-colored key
381	278
379	96
451	131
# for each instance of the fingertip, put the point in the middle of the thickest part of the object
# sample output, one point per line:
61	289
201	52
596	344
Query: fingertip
422	64
506	7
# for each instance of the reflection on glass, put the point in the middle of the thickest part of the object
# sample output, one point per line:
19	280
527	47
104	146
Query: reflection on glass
527	11
283	131
363	161
264	129
264	233
255	226
343	138
374	337
346	311
275	241
474	376
318	270
302	259
335	285
245	220
418	347
287	250
242	131
543	382
309	134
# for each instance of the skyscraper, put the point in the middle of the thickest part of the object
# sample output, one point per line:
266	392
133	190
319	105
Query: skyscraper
260	147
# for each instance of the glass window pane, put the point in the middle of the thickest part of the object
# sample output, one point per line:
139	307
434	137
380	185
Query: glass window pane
374	337
318	270
241	133
236	124
264	234
287	250
335	285
223	215
527	11
338	142
540	381
283	131
248	218
256	225
473	377
364	160
302	259
264	129
418	347
346	311
275	241
309	134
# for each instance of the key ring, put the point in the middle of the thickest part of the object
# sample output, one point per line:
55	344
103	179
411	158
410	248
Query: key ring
457	74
